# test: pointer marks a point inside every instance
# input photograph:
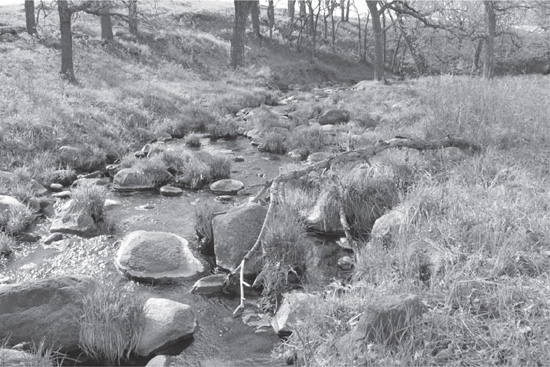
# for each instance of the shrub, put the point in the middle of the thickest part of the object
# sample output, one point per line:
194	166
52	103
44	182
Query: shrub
225	128
15	220
193	140
274	142
90	198
111	325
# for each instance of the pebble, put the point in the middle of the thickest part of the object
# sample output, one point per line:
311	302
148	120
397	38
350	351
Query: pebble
54	237
62	195
239	159
170	191
55	187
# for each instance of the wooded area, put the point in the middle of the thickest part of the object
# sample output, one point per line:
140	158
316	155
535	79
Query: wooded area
402	37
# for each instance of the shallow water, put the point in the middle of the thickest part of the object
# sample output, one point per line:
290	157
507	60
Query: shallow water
220	340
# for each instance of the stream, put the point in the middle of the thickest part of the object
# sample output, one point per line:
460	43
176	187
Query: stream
220	339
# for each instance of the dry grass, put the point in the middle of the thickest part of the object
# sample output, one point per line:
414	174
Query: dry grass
90	198
111	325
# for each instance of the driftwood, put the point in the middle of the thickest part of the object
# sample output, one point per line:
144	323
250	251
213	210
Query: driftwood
354	155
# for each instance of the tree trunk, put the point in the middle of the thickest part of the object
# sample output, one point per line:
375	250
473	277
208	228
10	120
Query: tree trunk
271	18
410	41
477	55
242	8
255	15
291	8
348	5
379	72
333	26
366	27
67	68
343	9
312	27
132	17
106	27
396	51
29	17
489	61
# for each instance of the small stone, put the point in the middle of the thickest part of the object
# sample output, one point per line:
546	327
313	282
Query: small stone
95	174
169	190
54	237
55	187
238	159
147	206
140	154
226	187
62	195
110	204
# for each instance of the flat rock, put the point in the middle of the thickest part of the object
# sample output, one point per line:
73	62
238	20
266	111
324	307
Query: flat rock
158	256
165	321
169	190
45	308
209	285
8	202
63	194
54	237
226	187
129	179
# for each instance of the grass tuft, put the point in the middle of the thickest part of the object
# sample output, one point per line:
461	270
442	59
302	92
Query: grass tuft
90	198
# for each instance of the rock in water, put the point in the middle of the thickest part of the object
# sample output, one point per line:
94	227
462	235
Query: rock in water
45	308
169	190
74	220
334	116
235	232
226	187
165	322
209	285
158	256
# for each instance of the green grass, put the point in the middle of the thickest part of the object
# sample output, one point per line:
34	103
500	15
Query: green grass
15	220
204	212
111	325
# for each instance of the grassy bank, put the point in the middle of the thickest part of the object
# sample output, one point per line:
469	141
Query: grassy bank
475	242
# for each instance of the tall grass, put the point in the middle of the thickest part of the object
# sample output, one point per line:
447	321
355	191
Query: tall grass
111	325
90	198
472	243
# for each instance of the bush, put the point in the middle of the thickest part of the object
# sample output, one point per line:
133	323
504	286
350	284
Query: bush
90	198
111	325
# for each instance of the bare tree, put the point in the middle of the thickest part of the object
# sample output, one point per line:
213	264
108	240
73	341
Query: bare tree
106	24
255	15
67	67
242	8
489	60
271	17
133	17
29	17
379	71
291	10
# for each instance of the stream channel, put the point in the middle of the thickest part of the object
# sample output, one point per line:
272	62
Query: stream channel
220	339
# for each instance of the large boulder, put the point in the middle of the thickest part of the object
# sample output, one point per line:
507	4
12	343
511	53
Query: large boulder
235	232
157	256
8	180
334	116
295	308
166	321
46	309
19	358
384	320
72	219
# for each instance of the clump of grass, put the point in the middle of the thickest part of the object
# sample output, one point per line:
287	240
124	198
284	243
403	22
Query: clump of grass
40	355
225	128
111	325
90	198
308	140
204	212
284	256
193	140
16	219
190	119
6	244
274	142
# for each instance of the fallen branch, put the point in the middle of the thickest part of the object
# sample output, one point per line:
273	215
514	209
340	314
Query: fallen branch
355	155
